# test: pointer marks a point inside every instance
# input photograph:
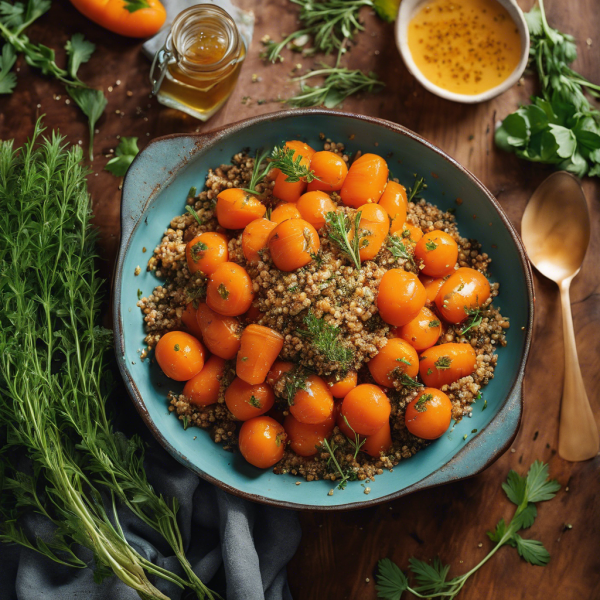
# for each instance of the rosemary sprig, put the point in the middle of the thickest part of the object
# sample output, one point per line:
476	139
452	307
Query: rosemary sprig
339	227
339	83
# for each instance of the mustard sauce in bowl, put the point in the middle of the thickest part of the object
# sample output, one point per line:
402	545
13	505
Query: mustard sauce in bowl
463	50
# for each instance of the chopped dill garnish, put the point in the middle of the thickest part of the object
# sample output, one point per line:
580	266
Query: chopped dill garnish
356	442
443	362
347	475
430	245
339	226
176	347
475	318
417	188
198	250
294	380
326	340
408	381
254	401
194	214
223	291
398	249
421	404
434	323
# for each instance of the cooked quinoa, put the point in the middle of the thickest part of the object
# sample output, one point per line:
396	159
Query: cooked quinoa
330	288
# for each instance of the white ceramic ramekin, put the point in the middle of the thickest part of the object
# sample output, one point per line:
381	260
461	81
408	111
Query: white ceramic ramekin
408	9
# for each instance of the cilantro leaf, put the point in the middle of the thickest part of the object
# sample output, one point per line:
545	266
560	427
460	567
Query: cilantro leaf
92	103
532	551
391	581
538	487
79	51
515	488
430	577
8	80
126	151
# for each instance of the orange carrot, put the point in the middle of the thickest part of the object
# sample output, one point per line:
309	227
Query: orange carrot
260	347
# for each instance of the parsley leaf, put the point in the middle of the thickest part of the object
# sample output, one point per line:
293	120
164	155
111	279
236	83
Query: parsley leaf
532	551
538	487
92	103
8	80
391	581
133	5
430	577
126	151
79	50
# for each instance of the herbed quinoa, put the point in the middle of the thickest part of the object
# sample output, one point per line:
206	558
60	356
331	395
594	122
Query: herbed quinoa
329	289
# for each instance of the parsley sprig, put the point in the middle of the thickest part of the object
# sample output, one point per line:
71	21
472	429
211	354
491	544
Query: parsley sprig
560	127
431	578
14	20
126	151
339	226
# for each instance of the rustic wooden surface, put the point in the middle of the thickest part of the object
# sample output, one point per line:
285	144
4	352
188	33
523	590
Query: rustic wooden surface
339	552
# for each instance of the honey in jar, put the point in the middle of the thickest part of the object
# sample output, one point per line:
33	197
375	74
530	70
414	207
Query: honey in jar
200	62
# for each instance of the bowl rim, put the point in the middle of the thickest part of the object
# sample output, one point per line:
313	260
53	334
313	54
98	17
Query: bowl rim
406	12
129	224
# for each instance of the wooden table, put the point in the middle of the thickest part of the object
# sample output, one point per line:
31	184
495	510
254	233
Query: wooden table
339	552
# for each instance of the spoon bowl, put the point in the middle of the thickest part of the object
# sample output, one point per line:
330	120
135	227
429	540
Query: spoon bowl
556	233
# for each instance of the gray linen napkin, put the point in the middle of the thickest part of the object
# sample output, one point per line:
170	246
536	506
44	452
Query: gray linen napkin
238	548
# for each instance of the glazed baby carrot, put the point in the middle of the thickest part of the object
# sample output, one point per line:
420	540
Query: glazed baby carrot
260	347
188	318
395	359
423	331
229	291
340	387
438	252
290	191
236	208
409	233
330	169
124	17
365	182
395	201
366	408
446	363
203	389
293	244
314	206
314	403
432	287
401	296
277	370
373	230
378	443
246	401
305	439
428	415
220	334
461	294
255	238
180	355
262	441
284	211
206	252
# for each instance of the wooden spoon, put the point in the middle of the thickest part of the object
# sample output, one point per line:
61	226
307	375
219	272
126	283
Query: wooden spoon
556	233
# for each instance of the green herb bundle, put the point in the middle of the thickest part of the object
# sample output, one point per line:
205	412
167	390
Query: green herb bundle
560	127
330	24
14	20
53	382
431	578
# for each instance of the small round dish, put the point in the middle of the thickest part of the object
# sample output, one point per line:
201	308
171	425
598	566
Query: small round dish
155	190
408	9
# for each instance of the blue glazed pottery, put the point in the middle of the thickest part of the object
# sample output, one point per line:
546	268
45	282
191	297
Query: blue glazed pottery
155	191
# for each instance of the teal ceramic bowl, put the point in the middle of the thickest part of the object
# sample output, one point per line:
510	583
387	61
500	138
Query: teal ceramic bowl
155	190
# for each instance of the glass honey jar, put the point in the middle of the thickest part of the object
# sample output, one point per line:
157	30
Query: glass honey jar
200	62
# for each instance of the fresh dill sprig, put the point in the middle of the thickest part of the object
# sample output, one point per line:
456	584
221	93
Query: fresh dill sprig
398	249
281	158
339	83
326	340
431	577
356	443
475	318
339	227
294	381
418	186
345	476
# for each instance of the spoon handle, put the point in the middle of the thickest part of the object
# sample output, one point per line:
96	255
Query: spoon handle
578	433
